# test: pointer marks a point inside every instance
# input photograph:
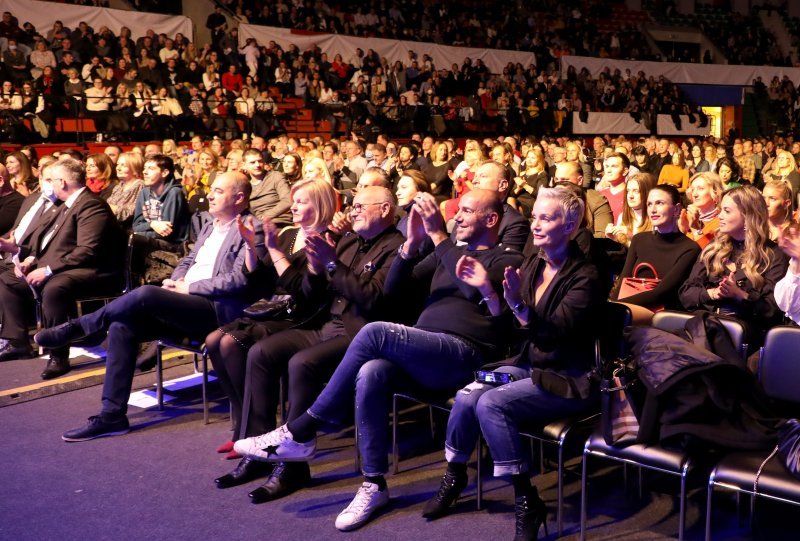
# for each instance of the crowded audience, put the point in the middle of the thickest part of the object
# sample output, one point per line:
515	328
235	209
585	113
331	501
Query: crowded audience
341	269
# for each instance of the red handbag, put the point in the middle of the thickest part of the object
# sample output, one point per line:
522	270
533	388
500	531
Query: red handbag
632	285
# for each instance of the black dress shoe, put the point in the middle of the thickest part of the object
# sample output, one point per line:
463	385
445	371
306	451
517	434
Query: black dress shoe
56	366
60	335
247	470
10	352
286	478
449	490
98	427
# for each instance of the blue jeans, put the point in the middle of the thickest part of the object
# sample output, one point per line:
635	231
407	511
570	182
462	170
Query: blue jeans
381	357
499	412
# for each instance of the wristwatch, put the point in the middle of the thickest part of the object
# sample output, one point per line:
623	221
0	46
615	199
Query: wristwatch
330	266
518	308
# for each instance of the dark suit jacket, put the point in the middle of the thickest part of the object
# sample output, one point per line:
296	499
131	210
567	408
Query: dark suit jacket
562	324
86	235
601	212
46	218
514	229
228	288
360	285
9	209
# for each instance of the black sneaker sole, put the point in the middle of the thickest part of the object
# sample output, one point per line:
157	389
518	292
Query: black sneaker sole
103	435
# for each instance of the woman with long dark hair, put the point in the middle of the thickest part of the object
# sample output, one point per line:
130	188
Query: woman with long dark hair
669	252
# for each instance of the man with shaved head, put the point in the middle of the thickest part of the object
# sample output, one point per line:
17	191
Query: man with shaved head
513	229
207	289
457	332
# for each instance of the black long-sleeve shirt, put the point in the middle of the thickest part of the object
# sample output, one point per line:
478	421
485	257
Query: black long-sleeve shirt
672	255
758	309
452	306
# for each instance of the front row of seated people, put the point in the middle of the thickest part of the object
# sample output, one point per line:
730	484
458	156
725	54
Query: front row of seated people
355	326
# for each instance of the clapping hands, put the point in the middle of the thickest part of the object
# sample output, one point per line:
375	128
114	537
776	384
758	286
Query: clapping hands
319	251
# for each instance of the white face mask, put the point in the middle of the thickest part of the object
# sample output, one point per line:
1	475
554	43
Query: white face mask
48	191
12	47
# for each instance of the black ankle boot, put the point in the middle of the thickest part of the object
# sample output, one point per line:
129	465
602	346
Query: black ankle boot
530	513
449	490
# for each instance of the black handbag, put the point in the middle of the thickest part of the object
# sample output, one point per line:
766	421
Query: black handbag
789	446
619	385
277	308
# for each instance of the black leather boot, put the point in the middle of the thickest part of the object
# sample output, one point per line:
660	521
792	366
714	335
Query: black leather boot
449	490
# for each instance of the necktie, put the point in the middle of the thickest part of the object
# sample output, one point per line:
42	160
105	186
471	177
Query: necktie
62	211
42	209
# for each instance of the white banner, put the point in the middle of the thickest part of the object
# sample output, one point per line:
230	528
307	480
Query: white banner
665	126
443	56
623	123
707	74
43	14
612	123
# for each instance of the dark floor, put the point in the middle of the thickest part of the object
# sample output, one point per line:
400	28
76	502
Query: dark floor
157	483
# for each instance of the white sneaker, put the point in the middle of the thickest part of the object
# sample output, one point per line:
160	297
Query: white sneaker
276	446
368	499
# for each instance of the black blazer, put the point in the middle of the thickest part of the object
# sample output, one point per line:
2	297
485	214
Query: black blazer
85	235
361	284
562	326
34	229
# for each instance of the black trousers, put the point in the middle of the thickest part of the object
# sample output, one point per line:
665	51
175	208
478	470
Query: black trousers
308	356
146	313
58	296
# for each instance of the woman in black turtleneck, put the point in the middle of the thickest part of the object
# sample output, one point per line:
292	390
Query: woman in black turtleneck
737	272
671	253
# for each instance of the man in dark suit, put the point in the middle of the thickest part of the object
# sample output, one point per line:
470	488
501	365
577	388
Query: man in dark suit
75	253
208	288
39	207
514	228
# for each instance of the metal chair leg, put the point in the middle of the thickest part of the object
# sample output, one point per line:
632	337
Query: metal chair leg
541	455
159	376
479	478
625	476
357	464
395	447
205	386
708	508
640	482
739	508
282	398
560	502
682	518
584	498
